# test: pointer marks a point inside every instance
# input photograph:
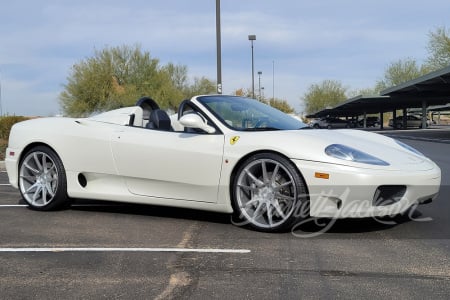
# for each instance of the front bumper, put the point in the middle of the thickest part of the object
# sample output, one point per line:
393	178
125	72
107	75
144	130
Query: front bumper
349	192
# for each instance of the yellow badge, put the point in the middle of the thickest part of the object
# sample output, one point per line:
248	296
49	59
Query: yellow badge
234	139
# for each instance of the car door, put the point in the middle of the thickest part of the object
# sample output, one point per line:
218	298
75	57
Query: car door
414	121
172	165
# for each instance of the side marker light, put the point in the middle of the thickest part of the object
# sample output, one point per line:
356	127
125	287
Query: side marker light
322	175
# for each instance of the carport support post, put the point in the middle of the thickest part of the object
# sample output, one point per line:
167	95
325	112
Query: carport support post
424	114
381	121
405	119
365	120
394	118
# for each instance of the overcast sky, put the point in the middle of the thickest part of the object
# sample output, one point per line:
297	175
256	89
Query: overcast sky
351	41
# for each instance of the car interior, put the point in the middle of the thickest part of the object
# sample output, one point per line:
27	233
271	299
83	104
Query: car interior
147	114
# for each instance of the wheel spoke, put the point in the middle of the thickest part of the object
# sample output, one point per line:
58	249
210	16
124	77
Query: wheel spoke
252	177
280	212
269	214
44	163
31	168
279	187
44	193
35	185
249	203
36	160
52	169
36	193
49	189
284	197
256	213
247	188
275	173
29	179
264	172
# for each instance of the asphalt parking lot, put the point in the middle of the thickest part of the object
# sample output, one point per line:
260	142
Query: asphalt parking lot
98	250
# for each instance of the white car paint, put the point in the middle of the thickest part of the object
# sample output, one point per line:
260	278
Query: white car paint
138	165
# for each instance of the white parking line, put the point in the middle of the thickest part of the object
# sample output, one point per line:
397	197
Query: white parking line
207	250
4	184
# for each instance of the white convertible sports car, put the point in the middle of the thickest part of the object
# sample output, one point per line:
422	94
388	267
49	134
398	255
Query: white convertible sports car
219	153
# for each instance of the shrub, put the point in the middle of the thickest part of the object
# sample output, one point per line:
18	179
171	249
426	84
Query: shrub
5	127
6	123
3	146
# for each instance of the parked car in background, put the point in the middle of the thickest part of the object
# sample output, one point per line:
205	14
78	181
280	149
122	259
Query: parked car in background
370	122
314	123
411	122
329	123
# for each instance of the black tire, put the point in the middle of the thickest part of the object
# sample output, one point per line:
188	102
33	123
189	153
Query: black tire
268	193
316	126
42	180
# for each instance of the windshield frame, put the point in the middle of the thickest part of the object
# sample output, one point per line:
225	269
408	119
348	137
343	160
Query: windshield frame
227	109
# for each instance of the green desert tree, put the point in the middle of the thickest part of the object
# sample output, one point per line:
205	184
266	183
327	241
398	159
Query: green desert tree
438	49
115	77
399	72
325	94
200	86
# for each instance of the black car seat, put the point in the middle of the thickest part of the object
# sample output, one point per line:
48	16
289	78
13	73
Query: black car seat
159	120
148	105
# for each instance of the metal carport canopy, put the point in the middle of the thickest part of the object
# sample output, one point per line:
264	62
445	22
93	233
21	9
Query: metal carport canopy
434	88
427	90
356	106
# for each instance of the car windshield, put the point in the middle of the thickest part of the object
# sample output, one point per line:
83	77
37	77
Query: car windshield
245	114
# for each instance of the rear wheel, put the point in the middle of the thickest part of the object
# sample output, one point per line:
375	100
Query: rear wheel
268	192
42	179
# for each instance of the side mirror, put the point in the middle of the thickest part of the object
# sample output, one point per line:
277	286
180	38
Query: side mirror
195	121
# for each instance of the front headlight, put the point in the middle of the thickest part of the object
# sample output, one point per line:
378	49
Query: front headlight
409	148
350	154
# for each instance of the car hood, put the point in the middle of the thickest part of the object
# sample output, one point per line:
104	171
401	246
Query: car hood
310	145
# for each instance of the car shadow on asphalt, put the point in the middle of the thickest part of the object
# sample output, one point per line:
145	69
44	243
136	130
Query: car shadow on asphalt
150	210
340	227
307	226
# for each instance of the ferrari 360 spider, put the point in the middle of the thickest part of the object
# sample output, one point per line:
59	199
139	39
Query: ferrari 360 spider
220	153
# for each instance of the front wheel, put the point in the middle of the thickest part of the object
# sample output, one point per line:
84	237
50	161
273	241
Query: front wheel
268	192
42	179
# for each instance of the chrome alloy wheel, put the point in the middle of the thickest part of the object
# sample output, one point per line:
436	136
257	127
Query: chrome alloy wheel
38	179
266	193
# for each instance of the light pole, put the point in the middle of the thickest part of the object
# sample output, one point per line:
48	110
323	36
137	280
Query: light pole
259	84
1	107
252	38
219	51
273	79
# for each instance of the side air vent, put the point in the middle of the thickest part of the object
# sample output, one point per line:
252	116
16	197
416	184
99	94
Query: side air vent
82	180
388	194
